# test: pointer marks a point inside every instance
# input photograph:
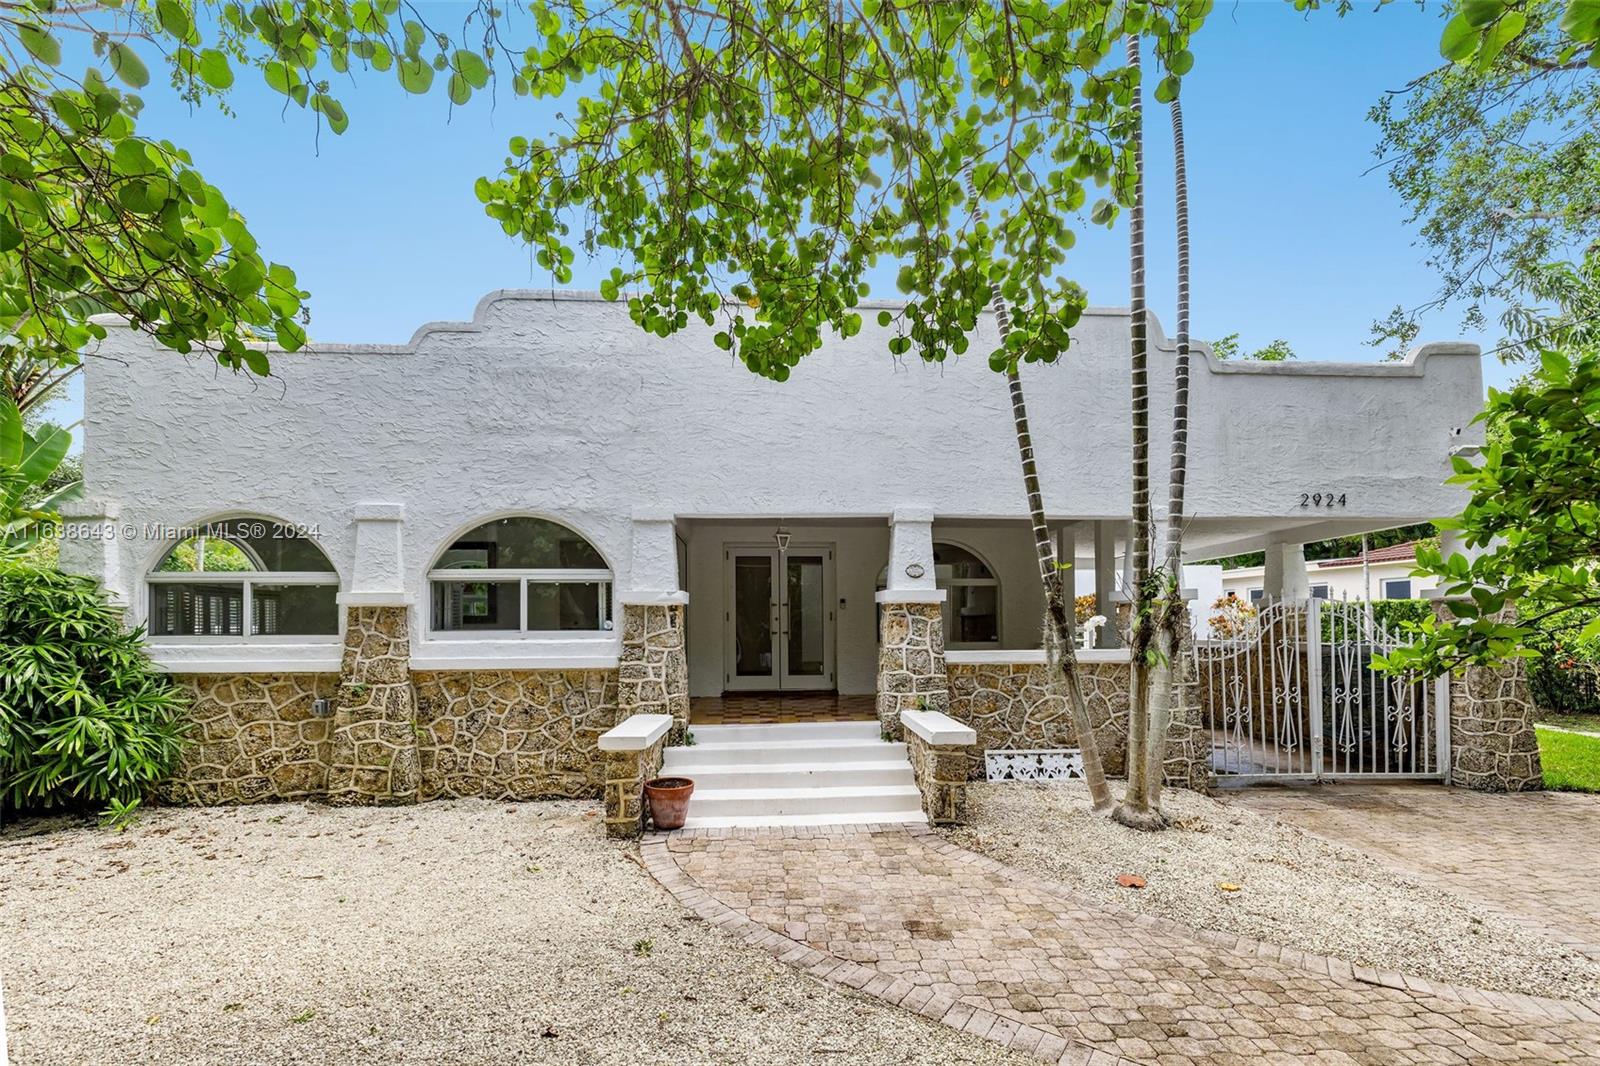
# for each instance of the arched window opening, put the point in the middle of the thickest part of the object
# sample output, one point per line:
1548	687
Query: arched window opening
520	575
246	578
972	608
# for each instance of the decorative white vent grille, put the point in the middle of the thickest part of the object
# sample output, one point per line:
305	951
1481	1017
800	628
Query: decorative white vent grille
1035	764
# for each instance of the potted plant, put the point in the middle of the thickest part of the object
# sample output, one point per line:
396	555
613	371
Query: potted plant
669	800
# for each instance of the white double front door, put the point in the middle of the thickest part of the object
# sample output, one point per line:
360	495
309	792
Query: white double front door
778	625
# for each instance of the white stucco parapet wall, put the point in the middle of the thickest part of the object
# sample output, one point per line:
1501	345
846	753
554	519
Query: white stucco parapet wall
555	404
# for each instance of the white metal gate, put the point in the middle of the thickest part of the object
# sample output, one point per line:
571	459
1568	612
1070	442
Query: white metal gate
1294	696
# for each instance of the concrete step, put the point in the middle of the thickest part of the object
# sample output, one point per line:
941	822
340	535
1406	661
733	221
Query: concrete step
799	731
718	802
758	821
814	773
797	751
811	774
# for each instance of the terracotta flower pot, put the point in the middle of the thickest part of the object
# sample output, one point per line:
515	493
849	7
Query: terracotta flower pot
669	801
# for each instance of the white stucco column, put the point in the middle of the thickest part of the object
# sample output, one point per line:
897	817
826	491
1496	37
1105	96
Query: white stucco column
377	577
653	566
911	577
1105	582
911	665
1285	575
90	545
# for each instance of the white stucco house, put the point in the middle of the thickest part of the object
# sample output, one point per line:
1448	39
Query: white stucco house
510	492
1383	574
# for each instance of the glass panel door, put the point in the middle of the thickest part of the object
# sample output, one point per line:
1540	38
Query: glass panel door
779	621
807	649
752	662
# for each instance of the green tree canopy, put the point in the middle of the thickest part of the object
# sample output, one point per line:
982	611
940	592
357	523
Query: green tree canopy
95	218
749	162
1531	527
1497	155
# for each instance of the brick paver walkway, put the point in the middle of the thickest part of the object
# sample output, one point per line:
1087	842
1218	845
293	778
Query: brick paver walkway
903	915
1531	855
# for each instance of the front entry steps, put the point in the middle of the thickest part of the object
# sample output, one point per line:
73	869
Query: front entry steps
813	773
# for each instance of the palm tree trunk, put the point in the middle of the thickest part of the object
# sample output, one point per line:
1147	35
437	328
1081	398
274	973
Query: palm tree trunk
1134	810
1169	672
1060	635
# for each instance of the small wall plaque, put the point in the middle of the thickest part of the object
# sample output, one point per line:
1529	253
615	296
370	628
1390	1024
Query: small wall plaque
914	570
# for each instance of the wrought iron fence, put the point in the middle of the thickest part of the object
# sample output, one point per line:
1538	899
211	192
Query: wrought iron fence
1294	695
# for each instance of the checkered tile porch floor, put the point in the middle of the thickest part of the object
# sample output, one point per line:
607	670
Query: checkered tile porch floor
781	708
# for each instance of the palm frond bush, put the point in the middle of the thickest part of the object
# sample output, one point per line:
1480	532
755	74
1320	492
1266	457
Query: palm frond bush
86	720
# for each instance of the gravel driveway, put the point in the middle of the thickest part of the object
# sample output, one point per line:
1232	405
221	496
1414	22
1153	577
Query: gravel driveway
452	932
1293	888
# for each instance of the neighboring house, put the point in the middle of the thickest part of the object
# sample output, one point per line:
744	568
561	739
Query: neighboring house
1386	574
552	518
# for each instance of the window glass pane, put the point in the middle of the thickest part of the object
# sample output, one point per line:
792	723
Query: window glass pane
197	609
807	649
1397	589
522	544
207	554
752	615
476	605
950	561
242	544
1256	595
556	606
973	619
1321	592
294	610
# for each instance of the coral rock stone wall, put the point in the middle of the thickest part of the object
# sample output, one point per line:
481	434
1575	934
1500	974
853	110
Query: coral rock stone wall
513	734
942	773
653	672
1011	705
252	737
374	756
1493	746
911	666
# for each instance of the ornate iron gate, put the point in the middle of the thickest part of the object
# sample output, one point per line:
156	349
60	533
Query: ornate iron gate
1294	696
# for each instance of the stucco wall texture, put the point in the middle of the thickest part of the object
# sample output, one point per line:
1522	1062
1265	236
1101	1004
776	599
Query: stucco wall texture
556	404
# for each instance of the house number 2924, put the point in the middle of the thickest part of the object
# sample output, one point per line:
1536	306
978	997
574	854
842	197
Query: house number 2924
1321	499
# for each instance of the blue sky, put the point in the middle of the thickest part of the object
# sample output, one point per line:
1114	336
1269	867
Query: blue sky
1292	238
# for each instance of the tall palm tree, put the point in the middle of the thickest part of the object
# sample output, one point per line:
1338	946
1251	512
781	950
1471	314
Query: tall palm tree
1173	617
1062	655
1135	810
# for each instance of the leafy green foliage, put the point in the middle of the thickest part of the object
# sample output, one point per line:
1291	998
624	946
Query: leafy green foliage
1532	522
29	462
1229	347
85	719
95	218
1497	155
749	162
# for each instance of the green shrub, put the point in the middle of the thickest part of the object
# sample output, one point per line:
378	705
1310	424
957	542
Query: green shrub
86	721
1401	615
1565	678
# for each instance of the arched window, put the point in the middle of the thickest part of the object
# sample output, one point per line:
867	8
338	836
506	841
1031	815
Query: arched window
254	569
972	608
520	575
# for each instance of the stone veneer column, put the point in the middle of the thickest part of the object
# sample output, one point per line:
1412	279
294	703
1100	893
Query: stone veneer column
911	667
1493	746
653	671
374	736
1186	762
